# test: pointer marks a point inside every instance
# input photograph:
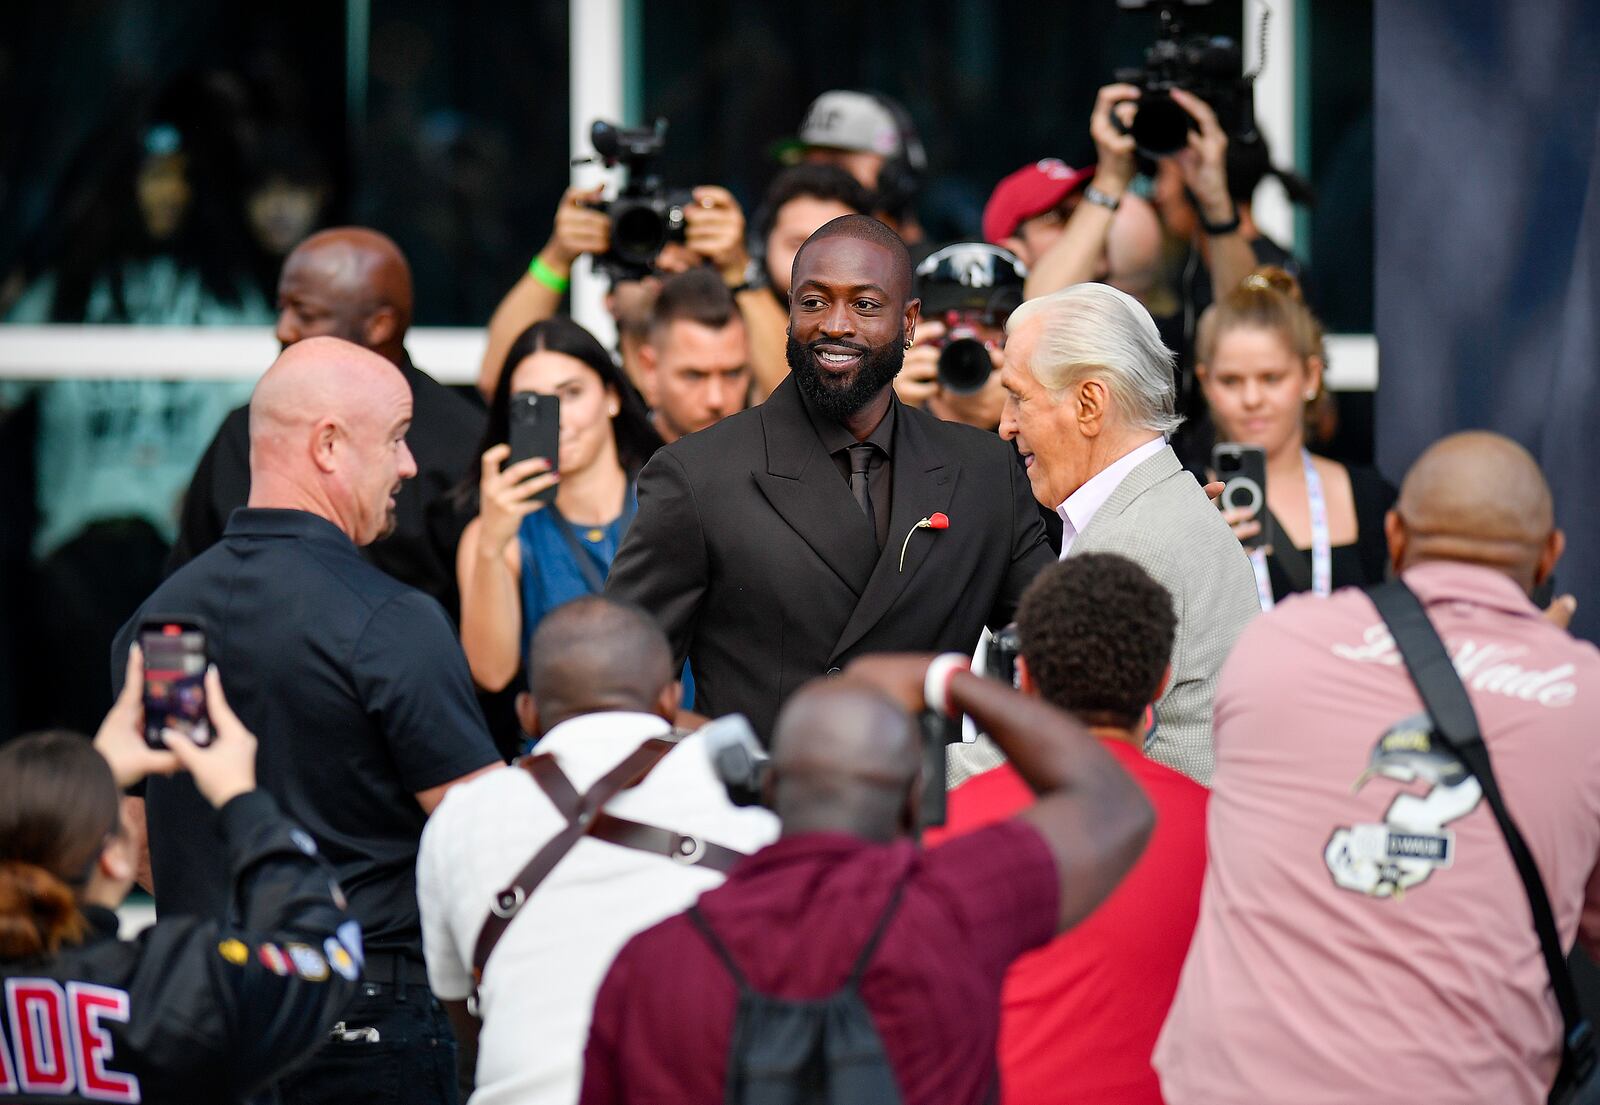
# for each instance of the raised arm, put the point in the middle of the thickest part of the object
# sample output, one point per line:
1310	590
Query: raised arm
1094	818
578	229
1075	257
1204	167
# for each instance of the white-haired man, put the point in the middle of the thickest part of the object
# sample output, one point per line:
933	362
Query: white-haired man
1089	402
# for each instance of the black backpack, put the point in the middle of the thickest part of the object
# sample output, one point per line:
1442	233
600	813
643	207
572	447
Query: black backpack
824	1051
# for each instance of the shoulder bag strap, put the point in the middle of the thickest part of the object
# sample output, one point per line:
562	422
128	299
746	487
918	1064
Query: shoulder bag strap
1456	724
691	851
503	909
580	555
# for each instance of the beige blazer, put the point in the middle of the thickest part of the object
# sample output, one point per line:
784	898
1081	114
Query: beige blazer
1160	518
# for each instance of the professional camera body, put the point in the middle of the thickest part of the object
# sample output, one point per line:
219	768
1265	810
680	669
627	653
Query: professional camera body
646	215
1211	67
971	287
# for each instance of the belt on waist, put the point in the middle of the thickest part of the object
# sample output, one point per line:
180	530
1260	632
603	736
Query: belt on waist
392	967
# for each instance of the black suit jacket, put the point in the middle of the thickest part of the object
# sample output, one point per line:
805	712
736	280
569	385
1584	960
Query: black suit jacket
763	571
444	436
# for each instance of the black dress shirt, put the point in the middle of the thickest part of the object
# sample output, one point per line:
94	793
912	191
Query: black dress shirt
880	472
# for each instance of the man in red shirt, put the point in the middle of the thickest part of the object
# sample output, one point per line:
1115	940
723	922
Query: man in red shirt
796	916
1079	1017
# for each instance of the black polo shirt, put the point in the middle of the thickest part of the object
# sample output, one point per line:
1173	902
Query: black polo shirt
444	438
356	688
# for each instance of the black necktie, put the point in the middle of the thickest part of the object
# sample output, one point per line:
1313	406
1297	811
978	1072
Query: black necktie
860	460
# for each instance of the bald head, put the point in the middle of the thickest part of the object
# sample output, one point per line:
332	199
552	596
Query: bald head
864	228
845	758
348	282
1480	498
327	435
596	653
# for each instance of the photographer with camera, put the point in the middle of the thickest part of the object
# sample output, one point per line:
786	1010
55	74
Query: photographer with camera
648	231
1088	237
1079	1018
601	685
931	933
952	369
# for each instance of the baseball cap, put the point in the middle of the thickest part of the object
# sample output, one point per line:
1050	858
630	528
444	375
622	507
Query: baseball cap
1030	191
844	120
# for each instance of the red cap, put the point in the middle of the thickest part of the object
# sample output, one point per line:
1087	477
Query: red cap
1029	191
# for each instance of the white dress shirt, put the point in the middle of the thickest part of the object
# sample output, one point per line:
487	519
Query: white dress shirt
539	984
1080	507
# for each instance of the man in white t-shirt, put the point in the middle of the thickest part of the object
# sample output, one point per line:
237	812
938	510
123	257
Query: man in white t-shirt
602	682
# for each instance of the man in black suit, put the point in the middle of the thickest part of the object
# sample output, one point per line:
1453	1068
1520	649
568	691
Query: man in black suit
354	283
782	542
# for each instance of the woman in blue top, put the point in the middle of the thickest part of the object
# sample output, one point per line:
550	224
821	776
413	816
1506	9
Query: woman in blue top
519	559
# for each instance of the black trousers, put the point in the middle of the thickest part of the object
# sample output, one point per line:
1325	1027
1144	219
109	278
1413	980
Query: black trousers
396	1046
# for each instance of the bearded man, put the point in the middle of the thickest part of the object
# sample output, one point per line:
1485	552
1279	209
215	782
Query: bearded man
832	520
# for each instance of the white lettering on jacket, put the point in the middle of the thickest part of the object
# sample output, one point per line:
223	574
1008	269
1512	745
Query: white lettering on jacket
1488	667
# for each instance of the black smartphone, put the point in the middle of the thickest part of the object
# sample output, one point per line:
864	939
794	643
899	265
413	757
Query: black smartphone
536	432
1243	471
175	663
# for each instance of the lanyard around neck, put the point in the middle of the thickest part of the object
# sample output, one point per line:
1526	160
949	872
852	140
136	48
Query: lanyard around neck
1321	543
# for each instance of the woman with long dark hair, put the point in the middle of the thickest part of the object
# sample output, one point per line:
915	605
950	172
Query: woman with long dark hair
194	1009
519	558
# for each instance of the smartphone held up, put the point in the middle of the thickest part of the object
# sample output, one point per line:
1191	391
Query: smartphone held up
175	662
1243	471
536	432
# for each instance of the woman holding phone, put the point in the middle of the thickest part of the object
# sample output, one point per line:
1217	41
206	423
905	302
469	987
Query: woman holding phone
521	556
1259	360
195	1008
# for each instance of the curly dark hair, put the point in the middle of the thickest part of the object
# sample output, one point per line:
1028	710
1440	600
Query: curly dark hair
1097	634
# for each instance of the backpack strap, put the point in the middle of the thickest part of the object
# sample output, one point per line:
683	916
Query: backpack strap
1455	723
580	816
698	920
871	946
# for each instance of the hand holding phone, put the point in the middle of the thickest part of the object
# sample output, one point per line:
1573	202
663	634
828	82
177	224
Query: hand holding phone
175	662
1243	470
535	431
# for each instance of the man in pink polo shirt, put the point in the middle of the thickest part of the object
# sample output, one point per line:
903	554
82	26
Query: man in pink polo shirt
1363	934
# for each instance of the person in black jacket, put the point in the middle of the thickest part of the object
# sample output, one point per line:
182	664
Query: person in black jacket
196	1008
832	520
354	283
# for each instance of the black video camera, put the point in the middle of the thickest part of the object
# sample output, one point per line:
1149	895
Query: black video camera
646	215
1210	67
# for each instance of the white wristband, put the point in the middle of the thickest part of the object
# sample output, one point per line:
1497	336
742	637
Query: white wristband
937	681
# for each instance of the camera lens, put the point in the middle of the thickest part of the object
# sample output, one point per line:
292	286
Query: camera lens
964	366
1160	127
637	232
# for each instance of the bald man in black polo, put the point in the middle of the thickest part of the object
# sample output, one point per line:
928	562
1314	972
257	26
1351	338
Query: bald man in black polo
782	542
354	283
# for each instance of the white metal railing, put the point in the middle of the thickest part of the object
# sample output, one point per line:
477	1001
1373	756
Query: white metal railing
449	354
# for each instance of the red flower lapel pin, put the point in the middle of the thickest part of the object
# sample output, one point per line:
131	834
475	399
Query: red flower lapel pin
936	520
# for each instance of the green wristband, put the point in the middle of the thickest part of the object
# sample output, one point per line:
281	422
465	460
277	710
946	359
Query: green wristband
548	276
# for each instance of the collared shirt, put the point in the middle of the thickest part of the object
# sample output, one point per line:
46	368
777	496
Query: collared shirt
1080	507
1079	1017
443	439
795	918
836	441
1363	934
539	984
357	689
